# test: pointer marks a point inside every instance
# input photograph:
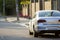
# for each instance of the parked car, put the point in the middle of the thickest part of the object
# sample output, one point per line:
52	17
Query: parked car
45	21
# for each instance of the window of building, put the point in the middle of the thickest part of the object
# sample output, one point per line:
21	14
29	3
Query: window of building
36	0
54	4
47	0
32	1
41	5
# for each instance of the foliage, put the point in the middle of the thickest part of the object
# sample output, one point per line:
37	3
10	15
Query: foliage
1	5
9	4
25	2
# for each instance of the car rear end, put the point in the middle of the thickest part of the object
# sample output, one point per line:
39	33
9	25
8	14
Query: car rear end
49	25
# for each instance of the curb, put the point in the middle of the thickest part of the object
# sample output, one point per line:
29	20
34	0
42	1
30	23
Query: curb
22	24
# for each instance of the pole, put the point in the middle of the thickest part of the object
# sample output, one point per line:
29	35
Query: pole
4	10
35	4
3	7
31	8
17	12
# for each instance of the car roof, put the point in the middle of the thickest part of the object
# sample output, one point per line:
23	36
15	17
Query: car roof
47	11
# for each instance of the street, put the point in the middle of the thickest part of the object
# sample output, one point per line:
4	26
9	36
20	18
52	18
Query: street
13	31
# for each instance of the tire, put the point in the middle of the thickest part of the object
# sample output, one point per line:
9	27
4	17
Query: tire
35	34
30	33
57	34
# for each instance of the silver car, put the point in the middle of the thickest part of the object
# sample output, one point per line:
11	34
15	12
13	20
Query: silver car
45	21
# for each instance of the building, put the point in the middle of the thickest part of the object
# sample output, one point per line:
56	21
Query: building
35	5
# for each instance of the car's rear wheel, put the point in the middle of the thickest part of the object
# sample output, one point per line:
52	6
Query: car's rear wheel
35	34
31	33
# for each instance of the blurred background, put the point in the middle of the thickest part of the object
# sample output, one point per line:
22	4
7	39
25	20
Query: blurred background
26	8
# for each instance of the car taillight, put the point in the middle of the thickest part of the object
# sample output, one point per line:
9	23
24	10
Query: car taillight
41	21
59	20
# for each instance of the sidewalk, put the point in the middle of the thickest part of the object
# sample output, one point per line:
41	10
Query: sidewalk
14	19
11	19
22	20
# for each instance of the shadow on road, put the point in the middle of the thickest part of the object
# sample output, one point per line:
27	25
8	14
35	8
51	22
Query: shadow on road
48	36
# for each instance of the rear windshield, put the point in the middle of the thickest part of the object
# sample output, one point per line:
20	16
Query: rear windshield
49	14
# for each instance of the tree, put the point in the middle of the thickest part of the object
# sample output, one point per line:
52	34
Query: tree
10	7
25	2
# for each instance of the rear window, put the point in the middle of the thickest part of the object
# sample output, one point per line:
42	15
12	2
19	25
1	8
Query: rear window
44	14
56	14
49	14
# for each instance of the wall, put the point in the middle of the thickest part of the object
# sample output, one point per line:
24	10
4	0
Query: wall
48	5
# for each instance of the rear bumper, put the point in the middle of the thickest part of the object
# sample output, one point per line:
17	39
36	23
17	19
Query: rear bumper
49	31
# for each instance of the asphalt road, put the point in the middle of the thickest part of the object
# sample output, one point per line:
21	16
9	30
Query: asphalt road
12	31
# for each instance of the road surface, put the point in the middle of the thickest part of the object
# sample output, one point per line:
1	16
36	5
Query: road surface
12	31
